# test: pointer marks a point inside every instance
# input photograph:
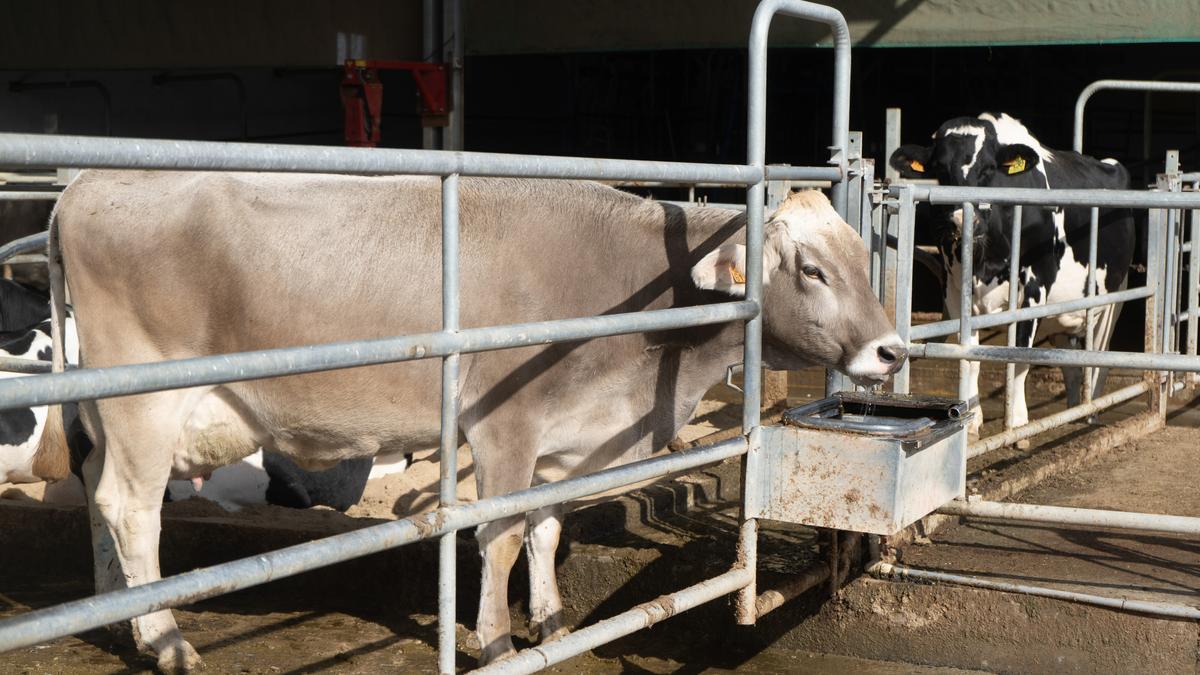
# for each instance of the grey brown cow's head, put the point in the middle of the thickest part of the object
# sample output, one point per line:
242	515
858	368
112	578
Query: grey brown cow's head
818	305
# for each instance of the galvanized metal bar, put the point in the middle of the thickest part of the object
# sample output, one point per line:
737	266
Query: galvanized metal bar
1014	266
949	326
884	570
642	616
1170	297
1156	220
28	195
1092	291
966	295
759	28
1035	427
806	173
80	615
448	456
891	141
27	244
1193	284
906	213
756	147
1123	85
1057	357
92	383
1063	515
1134	199
44	151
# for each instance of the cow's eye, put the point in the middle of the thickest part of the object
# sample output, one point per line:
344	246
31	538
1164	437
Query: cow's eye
812	272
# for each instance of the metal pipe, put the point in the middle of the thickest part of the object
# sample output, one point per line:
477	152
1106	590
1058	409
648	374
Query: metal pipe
1063	515
805	173
28	244
80	615
1123	85
1056	357
1010	436
948	327
1136	199
759	29
147	377
1014	266
884	570
37	151
453	133
904	272
774	598
642	616
29	195
448	457
1091	291
1193	284
1170	292
966	296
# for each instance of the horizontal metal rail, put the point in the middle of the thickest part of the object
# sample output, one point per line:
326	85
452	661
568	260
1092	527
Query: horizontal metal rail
27	195
642	616
90	383
80	615
1135	199
885	570
979	321
37	151
1064	515
1123	85
27	244
1010	436
1058	357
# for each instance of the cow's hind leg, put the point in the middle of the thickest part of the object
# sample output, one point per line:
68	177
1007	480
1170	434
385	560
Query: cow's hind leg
1106	322
499	542
1072	375
545	604
139	440
1026	330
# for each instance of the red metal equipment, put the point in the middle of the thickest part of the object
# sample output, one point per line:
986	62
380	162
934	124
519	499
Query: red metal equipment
362	97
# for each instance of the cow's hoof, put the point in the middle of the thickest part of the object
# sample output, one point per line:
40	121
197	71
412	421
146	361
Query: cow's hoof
549	629
498	650
179	659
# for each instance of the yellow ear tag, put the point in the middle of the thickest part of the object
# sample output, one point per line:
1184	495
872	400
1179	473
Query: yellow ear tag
1016	166
738	278
917	166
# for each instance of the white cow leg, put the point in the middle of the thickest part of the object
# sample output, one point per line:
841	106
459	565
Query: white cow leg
1072	375
127	503
1020	409
976	425
545	604
106	566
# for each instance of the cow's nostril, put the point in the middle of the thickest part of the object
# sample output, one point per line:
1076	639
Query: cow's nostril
893	355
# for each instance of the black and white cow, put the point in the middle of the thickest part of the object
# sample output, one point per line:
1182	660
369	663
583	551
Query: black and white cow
996	150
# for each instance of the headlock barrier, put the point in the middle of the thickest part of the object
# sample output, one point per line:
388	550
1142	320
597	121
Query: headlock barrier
878	213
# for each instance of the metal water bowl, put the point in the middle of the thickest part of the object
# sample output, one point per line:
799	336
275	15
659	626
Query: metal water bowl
867	462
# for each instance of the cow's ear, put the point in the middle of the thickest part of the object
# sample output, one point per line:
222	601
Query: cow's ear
725	268
910	161
1016	158
722	270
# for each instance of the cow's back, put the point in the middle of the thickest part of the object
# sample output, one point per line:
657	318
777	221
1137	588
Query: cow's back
174	265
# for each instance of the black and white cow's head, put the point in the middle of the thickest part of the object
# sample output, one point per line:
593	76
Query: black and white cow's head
985	151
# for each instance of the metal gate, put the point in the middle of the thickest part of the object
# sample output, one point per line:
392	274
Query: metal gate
28	151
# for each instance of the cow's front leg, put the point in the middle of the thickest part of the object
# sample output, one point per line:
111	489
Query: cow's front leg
545	604
1072	375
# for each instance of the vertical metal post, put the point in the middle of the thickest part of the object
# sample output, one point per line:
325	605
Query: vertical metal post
853	215
904	272
966	295
430	48
891	141
1193	283
1014	267
1154	303
1089	339
448	459
452	136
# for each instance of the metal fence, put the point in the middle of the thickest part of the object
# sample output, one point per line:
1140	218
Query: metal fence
1165	292
28	151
